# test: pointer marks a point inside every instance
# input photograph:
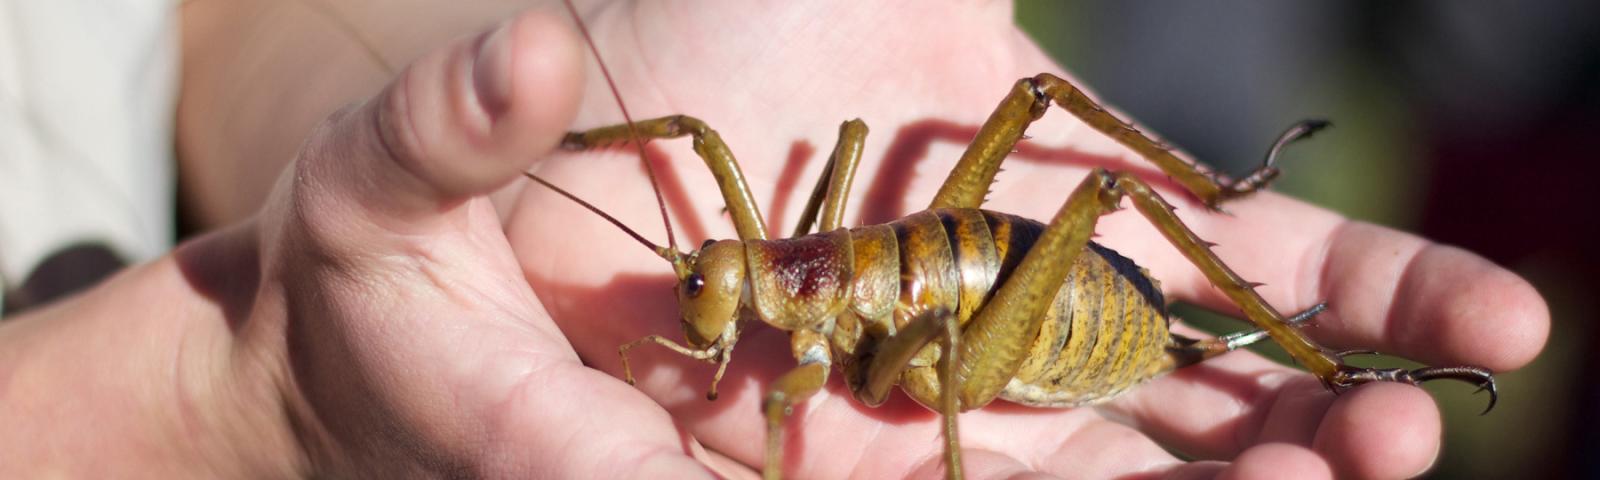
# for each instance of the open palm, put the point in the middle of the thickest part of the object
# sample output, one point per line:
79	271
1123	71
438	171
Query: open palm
776	79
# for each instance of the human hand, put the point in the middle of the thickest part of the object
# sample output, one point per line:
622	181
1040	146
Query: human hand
776	79
389	311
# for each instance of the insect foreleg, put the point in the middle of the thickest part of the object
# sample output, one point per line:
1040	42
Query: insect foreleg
708	144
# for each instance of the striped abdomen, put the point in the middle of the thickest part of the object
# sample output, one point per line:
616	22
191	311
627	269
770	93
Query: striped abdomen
1105	332
1106	329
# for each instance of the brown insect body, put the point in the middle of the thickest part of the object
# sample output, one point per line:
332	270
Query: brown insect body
1105	331
958	305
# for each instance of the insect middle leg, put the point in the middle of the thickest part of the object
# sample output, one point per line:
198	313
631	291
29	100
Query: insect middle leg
894	356
887	361
833	186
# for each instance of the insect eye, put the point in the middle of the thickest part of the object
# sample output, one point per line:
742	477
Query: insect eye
707	243
693	285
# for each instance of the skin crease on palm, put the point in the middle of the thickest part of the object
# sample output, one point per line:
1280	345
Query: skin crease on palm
775	78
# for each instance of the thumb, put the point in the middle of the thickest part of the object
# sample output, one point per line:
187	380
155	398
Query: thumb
457	123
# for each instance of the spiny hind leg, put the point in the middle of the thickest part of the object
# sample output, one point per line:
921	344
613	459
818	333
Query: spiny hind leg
1328	367
969	181
994	342
1187	351
708	145
1210	187
833	186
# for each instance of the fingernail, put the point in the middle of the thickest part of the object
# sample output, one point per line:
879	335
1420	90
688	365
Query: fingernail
491	71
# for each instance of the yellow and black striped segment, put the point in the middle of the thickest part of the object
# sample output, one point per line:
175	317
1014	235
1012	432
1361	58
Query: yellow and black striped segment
1104	332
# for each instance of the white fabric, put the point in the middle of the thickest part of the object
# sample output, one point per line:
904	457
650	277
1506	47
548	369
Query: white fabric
86	105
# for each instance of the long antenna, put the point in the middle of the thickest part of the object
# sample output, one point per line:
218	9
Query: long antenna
597	211
672	241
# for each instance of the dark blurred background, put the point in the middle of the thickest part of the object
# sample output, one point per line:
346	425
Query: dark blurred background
1474	123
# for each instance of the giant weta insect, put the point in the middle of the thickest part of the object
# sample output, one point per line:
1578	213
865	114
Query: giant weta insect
958	305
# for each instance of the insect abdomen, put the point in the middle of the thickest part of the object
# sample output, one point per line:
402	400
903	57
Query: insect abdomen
1105	331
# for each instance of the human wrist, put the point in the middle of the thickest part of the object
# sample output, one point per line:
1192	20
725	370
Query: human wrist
233	360
146	371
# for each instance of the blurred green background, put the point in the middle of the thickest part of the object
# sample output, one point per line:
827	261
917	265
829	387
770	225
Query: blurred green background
1471	122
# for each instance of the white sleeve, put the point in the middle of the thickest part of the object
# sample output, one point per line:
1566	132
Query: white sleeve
87	97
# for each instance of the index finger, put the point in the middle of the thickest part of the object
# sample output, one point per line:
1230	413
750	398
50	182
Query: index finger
1387	290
